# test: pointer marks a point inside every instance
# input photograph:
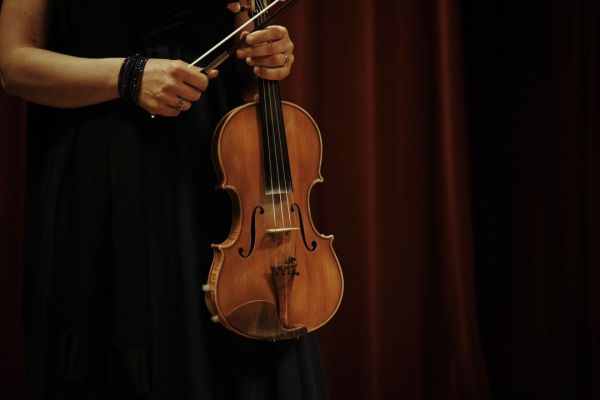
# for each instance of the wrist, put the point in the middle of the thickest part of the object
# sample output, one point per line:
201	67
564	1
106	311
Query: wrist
110	74
129	78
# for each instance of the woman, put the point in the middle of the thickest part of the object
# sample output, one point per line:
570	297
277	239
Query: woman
121	209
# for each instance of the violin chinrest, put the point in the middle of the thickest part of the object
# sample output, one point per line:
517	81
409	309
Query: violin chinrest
259	318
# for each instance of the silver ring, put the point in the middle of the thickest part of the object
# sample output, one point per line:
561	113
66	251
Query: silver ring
287	59
180	104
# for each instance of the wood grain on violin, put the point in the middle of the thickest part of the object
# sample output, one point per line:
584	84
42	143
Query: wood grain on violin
275	277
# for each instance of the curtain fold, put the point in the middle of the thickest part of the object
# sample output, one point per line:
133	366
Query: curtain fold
462	184
533	116
388	95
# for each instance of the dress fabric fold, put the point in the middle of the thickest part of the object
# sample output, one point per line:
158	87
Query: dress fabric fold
121	212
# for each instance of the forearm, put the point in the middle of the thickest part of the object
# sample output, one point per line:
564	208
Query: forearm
59	80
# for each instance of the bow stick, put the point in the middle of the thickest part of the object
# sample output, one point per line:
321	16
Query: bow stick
285	4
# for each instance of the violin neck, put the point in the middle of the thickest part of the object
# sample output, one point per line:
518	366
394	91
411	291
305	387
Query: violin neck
278	178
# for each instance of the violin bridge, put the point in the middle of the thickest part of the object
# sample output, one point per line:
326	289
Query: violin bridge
278	191
276	231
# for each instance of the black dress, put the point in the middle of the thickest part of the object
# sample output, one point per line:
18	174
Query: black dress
121	211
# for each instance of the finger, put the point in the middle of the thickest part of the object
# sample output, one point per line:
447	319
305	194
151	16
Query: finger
267	49
181	104
166	111
170	112
189	93
193	76
266	37
276	61
269	34
212	74
170	100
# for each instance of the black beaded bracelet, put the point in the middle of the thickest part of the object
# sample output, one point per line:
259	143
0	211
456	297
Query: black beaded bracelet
130	78
125	76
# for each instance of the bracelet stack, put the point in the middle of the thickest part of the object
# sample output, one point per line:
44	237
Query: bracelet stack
130	78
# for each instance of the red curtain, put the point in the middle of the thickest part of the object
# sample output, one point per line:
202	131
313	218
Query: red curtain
534	130
384	82
445	298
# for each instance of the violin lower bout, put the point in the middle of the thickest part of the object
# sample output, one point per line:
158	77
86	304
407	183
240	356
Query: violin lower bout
275	277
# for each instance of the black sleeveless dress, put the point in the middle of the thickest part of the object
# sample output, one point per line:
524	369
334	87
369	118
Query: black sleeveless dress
121	212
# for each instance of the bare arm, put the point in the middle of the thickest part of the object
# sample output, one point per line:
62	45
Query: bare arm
29	71
41	76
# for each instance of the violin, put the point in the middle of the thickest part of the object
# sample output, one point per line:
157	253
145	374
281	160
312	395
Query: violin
275	277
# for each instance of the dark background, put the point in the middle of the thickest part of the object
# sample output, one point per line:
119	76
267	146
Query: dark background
462	184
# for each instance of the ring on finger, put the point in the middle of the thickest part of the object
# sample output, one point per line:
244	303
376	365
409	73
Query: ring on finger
180	104
287	60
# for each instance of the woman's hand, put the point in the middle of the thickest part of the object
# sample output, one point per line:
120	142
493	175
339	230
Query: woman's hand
170	86
270	51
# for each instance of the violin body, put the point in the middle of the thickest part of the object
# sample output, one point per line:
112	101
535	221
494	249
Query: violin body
275	277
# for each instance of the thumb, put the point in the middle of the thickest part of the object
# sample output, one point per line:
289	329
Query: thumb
213	74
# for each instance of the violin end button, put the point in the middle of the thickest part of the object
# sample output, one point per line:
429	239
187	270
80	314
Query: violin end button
215	319
206	288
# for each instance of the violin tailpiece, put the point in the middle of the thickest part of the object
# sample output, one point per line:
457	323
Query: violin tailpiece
283	278
259	319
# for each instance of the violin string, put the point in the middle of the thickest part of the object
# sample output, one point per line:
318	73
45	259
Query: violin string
272	107
259	15
280	126
261	84
270	133
278	159
281	131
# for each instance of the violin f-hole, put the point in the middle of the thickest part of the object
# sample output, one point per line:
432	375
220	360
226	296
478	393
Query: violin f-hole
313	244
252	233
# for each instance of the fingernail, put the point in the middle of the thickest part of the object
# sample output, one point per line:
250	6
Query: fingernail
249	61
256	69
240	53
